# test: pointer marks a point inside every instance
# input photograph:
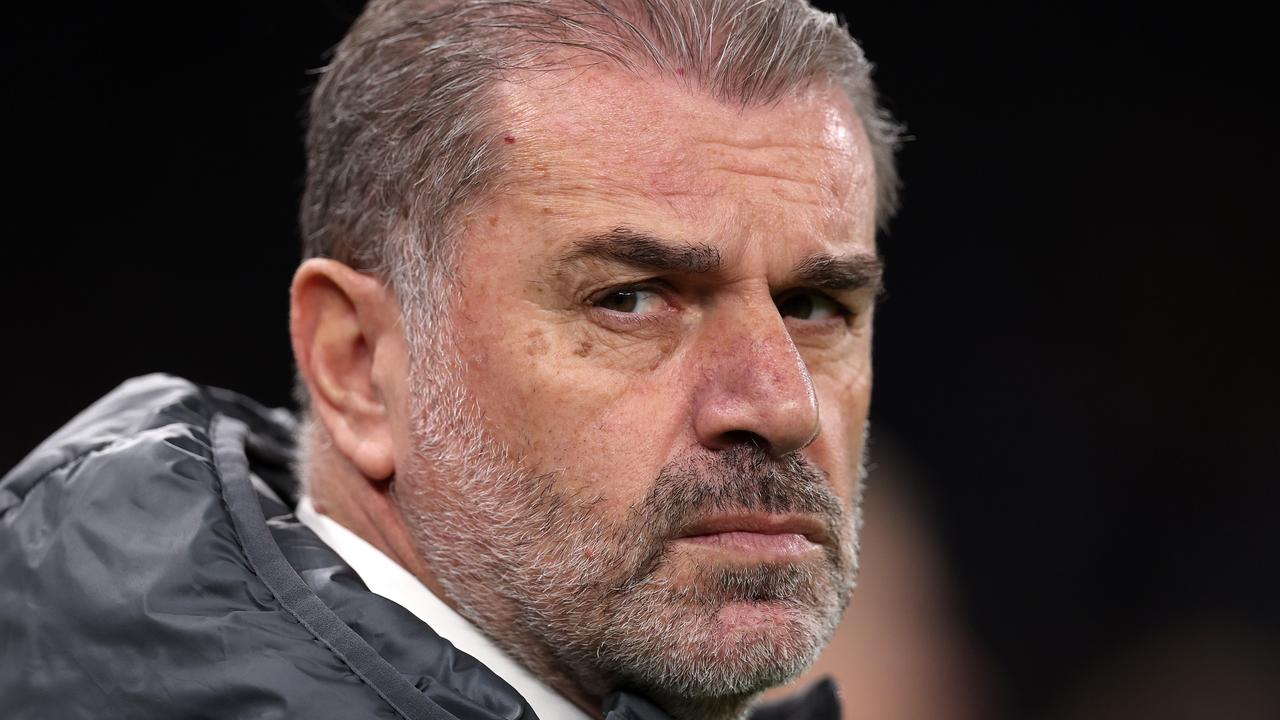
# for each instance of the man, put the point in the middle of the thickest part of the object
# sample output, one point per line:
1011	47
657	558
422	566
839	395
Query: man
583	340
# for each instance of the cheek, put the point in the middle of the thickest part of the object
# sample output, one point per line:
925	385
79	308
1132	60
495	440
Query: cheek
554	398
843	403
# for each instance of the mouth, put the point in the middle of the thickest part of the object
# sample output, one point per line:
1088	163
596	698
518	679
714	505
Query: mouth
756	536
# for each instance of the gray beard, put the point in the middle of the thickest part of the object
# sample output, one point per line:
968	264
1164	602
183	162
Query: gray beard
582	602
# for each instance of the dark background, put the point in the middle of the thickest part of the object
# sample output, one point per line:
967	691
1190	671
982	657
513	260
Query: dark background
1077	349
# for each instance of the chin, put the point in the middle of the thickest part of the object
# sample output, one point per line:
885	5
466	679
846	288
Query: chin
757	645
716	671
735	649
746	622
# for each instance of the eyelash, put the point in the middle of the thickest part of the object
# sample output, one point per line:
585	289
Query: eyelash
594	299
845	313
596	296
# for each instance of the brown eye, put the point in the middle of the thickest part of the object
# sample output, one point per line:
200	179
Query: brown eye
808	305
631	301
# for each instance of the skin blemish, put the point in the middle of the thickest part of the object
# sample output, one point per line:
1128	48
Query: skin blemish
493	220
583	349
680	72
509	139
537	344
668	347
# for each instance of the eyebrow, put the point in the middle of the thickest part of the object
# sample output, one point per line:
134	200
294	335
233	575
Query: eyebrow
648	252
847	272
645	252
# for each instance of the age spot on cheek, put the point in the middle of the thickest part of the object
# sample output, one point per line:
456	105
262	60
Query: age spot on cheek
668	347
537	344
583	349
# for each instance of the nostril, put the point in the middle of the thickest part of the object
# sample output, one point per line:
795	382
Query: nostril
745	437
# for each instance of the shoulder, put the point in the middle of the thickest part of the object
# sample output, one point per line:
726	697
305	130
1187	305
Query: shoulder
127	592
152	568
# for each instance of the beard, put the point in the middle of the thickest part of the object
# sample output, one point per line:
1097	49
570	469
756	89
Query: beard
594	604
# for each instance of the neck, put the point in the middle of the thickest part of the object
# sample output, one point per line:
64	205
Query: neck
368	508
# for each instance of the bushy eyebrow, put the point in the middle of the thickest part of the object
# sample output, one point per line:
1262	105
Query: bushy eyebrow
842	273
644	252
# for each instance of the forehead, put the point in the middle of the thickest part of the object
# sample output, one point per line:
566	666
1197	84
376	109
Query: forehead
608	147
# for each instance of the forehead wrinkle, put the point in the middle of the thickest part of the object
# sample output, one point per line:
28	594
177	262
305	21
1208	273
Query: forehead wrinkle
766	174
551	164
763	145
684	155
813	174
590	197
665	129
578	189
797	190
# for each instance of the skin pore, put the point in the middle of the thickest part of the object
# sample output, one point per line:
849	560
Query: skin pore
660	319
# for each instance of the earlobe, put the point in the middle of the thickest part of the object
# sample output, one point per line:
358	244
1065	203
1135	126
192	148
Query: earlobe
340	320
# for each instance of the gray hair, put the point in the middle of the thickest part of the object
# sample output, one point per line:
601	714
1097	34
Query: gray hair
402	134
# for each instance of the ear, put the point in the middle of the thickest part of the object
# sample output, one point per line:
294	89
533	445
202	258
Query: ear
345	328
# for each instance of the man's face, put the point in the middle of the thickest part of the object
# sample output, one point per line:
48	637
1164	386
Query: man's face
647	472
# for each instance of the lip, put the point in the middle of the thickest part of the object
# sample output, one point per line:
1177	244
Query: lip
808	526
757	536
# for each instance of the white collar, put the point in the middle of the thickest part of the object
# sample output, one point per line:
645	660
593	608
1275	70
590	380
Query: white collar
387	578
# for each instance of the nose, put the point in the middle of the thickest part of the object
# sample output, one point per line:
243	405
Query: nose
754	387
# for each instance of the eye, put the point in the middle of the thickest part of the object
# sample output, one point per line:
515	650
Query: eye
632	301
809	305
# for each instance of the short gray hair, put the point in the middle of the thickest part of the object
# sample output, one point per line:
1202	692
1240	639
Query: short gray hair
401	132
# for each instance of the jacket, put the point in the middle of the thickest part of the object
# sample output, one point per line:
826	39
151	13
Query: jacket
151	567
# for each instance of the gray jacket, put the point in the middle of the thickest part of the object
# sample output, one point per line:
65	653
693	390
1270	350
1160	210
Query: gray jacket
152	568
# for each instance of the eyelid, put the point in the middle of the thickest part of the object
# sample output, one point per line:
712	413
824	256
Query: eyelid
625	321
649	284
845	308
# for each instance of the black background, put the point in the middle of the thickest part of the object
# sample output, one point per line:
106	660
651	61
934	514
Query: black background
1077	348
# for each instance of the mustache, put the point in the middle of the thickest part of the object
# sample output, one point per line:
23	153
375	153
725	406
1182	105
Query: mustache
741	478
